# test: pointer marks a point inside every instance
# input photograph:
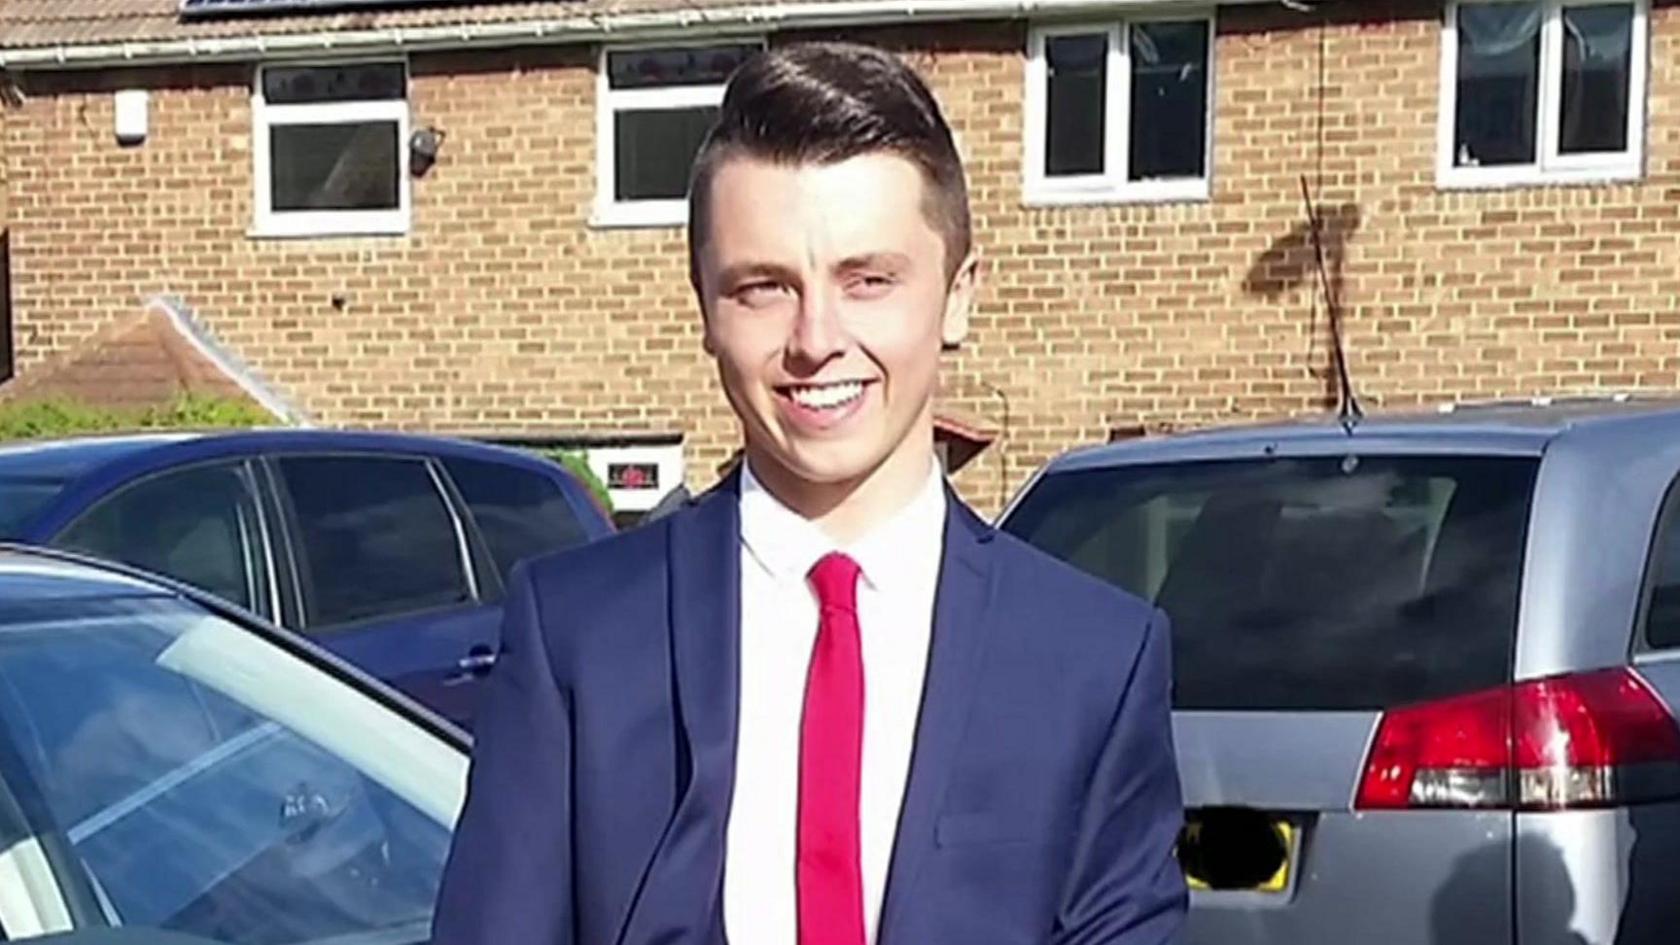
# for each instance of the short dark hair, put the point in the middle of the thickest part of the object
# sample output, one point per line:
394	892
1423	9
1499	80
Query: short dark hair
826	102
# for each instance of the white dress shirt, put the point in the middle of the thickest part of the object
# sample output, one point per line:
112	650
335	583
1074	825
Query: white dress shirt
900	561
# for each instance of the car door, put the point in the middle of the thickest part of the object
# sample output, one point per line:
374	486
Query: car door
384	575
200	524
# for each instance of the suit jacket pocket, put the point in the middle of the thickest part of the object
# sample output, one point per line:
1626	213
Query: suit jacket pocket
1004	826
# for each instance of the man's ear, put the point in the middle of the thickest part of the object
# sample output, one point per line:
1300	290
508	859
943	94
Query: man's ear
707	343
959	299
698	284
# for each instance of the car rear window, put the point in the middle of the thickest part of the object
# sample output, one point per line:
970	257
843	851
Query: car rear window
1346	582
520	513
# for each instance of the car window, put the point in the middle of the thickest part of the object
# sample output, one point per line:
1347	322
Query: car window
1661	628
199	525
209	783
375	538
520	513
1333	583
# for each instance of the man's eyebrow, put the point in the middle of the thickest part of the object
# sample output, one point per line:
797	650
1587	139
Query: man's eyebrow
741	272
896	262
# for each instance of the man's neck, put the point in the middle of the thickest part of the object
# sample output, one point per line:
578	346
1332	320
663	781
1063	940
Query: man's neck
848	510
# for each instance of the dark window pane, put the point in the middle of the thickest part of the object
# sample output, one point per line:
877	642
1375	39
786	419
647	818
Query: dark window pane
1297	584
1597	73
335	167
198	526
377	539
1076	100
1169	99
1662	615
519	513
294	85
653	151
1498	83
660	68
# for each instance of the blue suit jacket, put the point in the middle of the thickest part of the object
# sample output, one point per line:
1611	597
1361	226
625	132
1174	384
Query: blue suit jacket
1043	800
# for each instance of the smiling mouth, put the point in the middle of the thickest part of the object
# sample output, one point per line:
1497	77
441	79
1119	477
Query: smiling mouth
832	396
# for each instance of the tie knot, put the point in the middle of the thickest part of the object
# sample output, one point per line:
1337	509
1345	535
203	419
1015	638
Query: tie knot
834	578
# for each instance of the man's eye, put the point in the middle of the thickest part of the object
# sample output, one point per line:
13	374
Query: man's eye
870	284
761	291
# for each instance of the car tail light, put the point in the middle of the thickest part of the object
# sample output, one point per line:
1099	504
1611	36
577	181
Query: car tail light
1588	740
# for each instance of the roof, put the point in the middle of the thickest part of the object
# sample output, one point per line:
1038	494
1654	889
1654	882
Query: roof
146	360
74	456
67	458
51	22
84	33
1512	427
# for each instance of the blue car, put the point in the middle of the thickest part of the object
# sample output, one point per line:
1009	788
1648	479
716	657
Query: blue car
389	549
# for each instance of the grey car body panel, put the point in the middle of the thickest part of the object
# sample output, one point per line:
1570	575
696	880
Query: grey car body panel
1389	878
1274	760
1596	502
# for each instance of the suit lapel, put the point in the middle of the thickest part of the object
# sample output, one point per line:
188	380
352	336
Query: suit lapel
959	636
680	898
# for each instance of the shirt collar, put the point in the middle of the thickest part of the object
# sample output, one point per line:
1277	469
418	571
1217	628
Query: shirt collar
904	549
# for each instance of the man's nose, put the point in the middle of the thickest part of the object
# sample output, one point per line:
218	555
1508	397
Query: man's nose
818	334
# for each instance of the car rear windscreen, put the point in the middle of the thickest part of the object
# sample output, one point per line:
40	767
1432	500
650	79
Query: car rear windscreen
1344	582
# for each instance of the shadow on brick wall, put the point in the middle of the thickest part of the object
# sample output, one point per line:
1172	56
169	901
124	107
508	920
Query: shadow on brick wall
1292	261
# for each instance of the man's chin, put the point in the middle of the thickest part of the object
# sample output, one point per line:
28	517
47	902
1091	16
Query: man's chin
822	466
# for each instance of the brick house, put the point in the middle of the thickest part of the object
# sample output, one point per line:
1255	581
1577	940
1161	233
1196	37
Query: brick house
466	217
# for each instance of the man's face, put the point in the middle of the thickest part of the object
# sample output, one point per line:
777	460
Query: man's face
826	300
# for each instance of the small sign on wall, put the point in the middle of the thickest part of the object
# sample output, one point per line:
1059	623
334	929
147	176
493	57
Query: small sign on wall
633	477
637	476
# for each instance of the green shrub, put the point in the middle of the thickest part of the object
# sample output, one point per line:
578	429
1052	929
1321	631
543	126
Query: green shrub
578	466
59	417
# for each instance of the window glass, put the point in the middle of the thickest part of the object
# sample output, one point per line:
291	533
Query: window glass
210	784
1077	103
198	525
1329	583
1169	99
519	513
376	538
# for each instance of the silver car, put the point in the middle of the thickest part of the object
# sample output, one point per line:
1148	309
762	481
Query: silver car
1426	666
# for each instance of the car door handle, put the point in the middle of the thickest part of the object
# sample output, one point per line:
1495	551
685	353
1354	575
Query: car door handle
478	661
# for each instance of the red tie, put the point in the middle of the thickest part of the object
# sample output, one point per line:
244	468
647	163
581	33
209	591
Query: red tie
831	765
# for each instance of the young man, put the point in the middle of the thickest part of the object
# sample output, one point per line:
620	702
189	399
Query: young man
824	703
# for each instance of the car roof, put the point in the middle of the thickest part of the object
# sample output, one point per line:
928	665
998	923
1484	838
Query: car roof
1525	427
70	457
36	575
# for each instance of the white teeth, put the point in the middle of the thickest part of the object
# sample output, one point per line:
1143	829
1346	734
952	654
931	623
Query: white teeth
827	396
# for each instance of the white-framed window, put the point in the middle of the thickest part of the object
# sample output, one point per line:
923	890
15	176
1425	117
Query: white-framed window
1542	91
1120	111
654	105
330	148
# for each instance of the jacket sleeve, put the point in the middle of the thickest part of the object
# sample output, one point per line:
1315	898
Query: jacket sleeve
509	874
1125	886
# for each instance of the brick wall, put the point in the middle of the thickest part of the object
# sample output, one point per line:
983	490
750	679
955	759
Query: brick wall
504	309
